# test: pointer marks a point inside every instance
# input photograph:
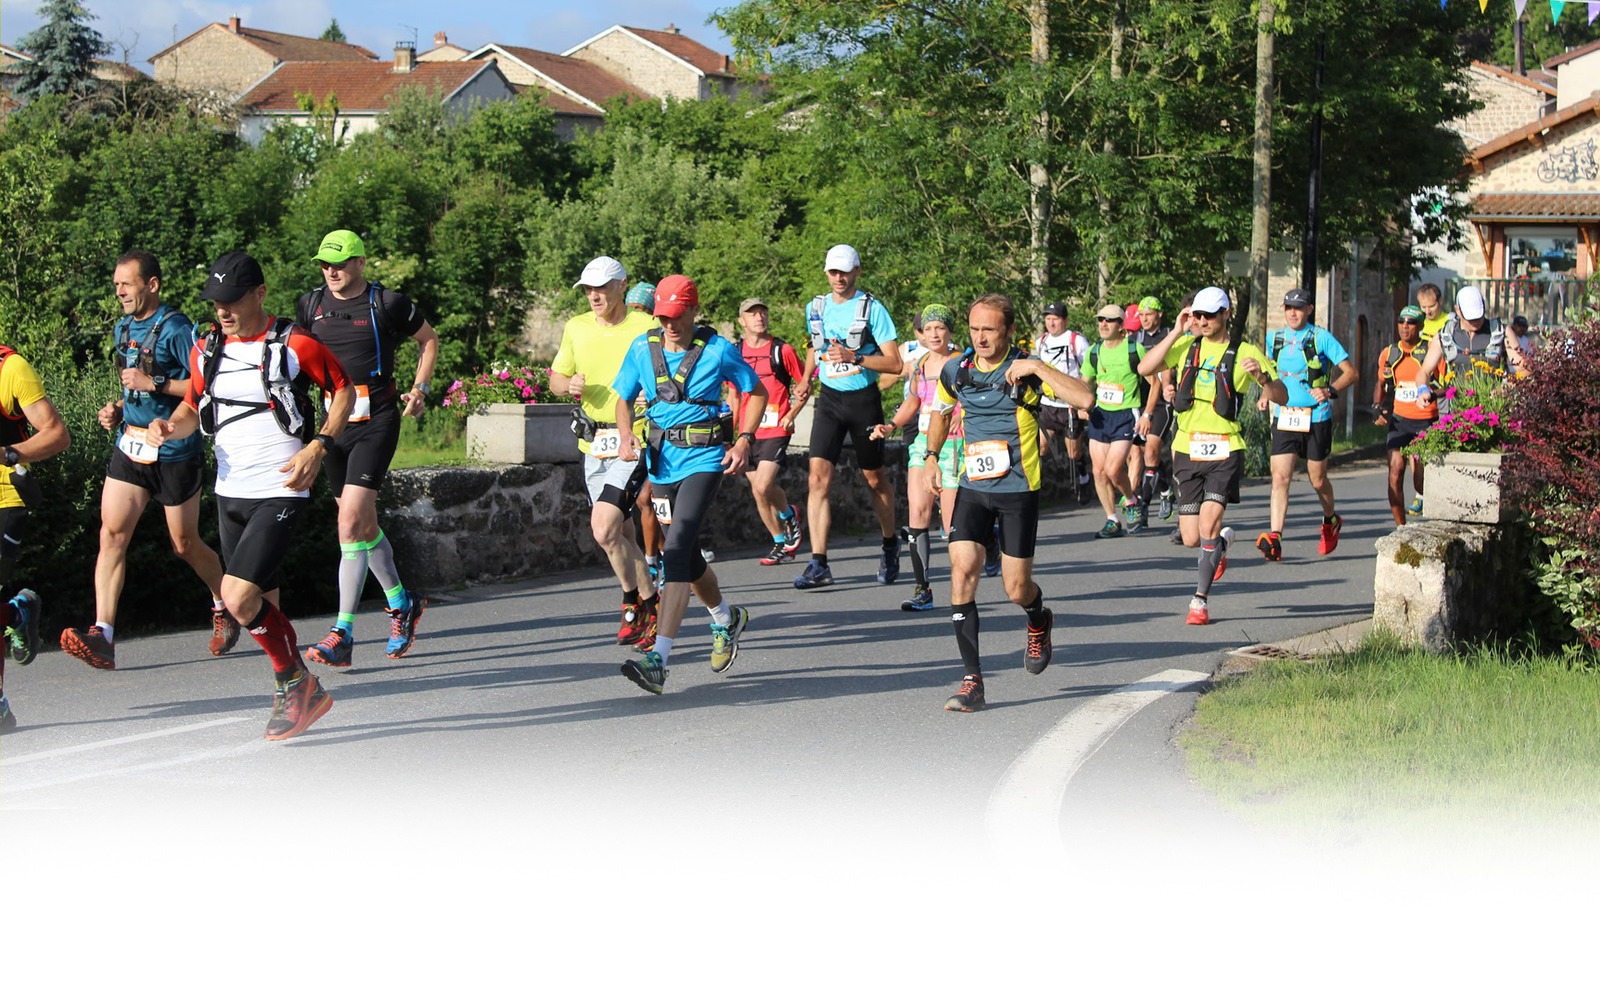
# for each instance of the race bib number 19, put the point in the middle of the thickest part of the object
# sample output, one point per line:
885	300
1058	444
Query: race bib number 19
987	459
1209	447
663	508
1294	418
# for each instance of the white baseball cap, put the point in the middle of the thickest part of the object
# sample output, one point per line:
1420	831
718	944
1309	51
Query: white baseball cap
842	257
1470	301
601	271
1210	299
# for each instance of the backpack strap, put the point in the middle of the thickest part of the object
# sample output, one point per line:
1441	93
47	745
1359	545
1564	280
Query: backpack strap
779	370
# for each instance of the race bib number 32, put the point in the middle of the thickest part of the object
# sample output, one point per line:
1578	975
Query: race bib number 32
1209	447
987	460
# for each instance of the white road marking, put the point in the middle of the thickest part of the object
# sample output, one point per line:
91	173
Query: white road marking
1025	808
253	746
119	741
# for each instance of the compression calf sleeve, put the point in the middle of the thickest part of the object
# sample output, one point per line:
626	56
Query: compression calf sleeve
273	632
965	619
384	570
920	551
1211	550
352	576
1035	608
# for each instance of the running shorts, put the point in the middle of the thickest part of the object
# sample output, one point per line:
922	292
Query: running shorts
1063	420
855	413
976	512
1404	430
681	507
1198	482
362	453
613	481
255	536
1112	425
1314	445
949	459
170	484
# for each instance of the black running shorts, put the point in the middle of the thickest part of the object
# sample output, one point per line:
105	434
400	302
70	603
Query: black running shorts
681	507
1404	430
976	512
13	522
854	413
1314	445
773	449
255	536
1063	420
170	484
362	453
1199	482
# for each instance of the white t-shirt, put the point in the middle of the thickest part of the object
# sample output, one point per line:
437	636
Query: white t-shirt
1065	352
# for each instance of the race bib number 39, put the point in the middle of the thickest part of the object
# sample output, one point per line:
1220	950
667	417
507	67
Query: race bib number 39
133	444
663	508
1209	447
1109	393
1294	418
987	460
607	443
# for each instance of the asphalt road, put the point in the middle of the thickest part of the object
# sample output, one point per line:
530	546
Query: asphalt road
505	765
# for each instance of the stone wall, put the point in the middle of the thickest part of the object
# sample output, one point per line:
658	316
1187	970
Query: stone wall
646	67
1444	583
215	60
1507	105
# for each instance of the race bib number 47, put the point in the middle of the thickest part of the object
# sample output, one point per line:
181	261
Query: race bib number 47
987	460
1109	393
1209	447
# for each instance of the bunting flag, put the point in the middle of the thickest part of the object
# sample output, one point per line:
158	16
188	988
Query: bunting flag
1522	5
1483	6
1594	8
1555	10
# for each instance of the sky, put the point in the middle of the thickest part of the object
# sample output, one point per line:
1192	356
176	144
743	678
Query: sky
141	28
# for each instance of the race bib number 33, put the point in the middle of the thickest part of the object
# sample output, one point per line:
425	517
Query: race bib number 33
987	460
607	443
1209	447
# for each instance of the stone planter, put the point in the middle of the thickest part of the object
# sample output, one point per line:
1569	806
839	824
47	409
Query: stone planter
516	434
1464	487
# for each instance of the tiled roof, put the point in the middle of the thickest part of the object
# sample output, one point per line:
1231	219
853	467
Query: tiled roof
1540	207
1588	106
1571	54
583	78
690	51
556	102
1510	77
361	87
288	48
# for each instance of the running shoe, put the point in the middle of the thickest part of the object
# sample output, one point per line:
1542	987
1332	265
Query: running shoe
23	632
1111	529
991	558
1222	564
334	651
633	624
1169	503
778	555
921	600
814	575
791	530
1037	654
969	698
403	624
1176	537
1330	536
709	555
889	564
1085	491
725	640
90	646
647	671
647	641
8	721
1138	519
1415	507
1271	545
298	704
224	631
1198	614
658	573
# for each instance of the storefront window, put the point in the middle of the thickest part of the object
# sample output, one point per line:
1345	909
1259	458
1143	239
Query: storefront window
1547	253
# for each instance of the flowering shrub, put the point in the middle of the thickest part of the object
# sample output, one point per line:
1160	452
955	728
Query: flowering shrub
1478	420
500	384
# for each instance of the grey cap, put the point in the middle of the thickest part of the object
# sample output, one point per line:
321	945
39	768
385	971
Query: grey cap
1299	298
751	303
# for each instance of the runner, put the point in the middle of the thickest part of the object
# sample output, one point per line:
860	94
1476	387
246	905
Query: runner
778	367
1470	335
642	298
681	369
1063	428
1434	315
151	345
1155	480
1118	413
936	326
362	324
23	403
1304	354
1207	457
1403	409
247	369
998	389
851	334
593	346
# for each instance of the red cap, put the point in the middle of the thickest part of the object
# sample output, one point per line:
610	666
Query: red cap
675	295
1130	317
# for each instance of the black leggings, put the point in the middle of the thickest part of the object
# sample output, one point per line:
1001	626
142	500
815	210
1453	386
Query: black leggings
687	502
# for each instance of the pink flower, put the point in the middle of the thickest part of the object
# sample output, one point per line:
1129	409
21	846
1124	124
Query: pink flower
502	376
521	383
454	386
1450	393
527	393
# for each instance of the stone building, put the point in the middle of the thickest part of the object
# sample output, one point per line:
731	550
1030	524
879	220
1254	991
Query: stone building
442	51
576	90
363	91
228	59
1509	102
661	63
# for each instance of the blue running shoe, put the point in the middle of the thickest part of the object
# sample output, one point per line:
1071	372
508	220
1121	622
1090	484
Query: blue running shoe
815	575
647	671
991	558
8	721
403	624
889	565
1415	507
24	629
921	600
334	651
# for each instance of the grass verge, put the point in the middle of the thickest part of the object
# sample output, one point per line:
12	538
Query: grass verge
1386	737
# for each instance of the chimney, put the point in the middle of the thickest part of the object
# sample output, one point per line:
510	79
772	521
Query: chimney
727	65
405	56
672	29
439	40
233	24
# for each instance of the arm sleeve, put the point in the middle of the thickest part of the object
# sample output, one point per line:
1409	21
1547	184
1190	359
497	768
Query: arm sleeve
317	362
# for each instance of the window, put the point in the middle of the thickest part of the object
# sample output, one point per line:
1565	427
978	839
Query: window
1548	252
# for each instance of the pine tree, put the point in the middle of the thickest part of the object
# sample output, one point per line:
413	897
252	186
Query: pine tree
63	50
333	33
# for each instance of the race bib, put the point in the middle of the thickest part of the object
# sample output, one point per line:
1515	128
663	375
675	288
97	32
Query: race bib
607	443
133	444
770	417
838	369
987	459
923	419
1405	394
663	508
1109	393
1209	447
1294	418
363	408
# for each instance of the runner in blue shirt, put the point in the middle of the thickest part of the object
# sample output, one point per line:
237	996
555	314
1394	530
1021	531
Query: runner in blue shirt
681	369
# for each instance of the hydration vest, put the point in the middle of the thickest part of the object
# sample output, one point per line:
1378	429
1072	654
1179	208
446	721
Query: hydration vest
779	372
1133	366
1017	392
858	336
1487	344
145	359
1392	357
715	430
1314	362
1226	400
286	398
305	312
13	426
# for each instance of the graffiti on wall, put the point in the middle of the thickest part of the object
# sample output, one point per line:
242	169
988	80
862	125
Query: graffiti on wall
1571	162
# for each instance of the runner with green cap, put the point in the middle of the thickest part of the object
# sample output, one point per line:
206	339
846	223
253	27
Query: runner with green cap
363	324
1153	479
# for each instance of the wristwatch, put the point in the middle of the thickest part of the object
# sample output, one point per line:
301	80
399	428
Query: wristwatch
746	434
326	439
160	382
421	387
11	456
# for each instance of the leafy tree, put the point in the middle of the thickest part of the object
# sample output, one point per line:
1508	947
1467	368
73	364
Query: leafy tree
1490	36
63	49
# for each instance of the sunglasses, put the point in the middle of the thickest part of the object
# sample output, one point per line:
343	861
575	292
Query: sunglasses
1410	322
1108	319
1197	314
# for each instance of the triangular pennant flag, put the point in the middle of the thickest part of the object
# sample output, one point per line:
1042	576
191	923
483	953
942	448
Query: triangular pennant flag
1522	5
1483	6
1594	9
1555	10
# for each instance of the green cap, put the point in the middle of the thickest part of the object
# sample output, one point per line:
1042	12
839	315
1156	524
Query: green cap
1151	303
339	246
1412	312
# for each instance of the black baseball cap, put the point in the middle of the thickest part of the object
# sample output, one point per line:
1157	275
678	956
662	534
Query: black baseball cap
1056	309
1519	321
232	275
1299	298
